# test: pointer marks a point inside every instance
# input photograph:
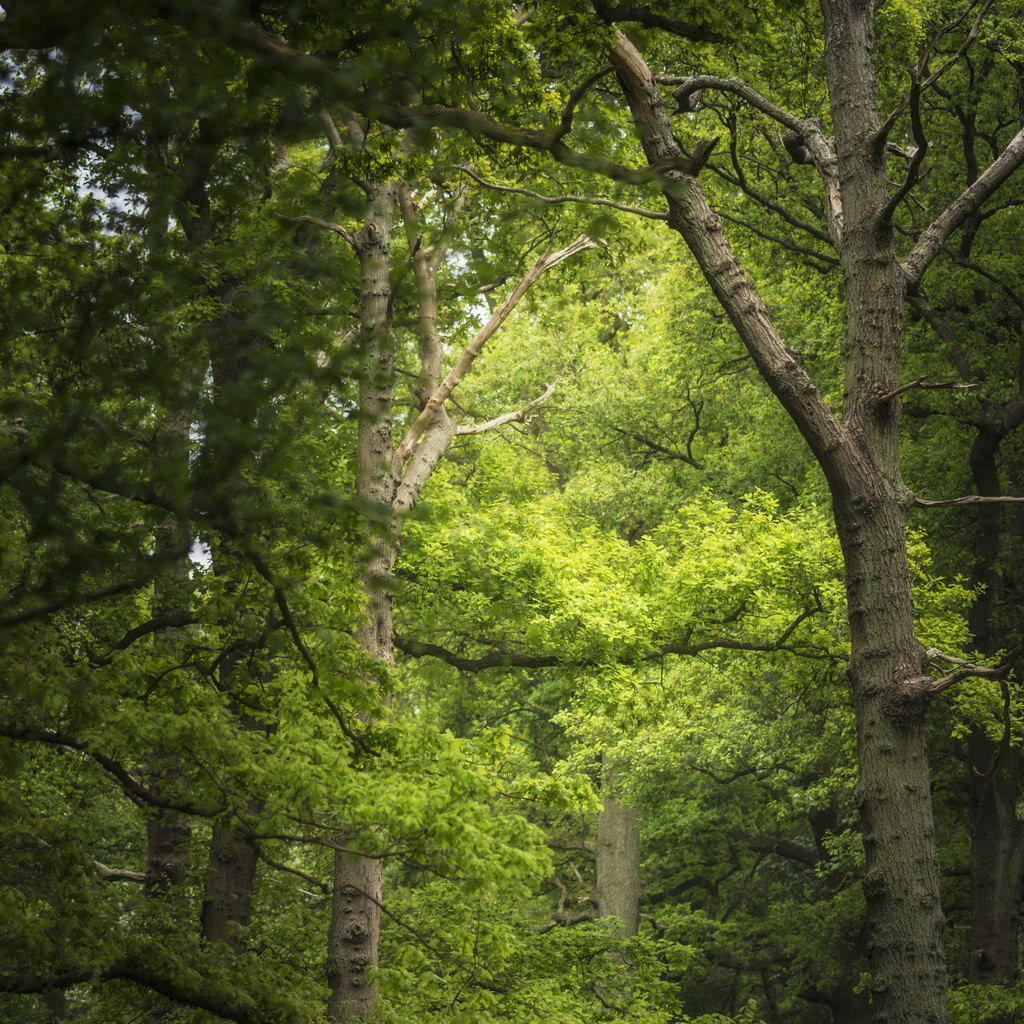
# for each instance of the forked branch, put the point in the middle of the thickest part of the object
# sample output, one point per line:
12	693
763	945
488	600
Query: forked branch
967	670
475	347
518	416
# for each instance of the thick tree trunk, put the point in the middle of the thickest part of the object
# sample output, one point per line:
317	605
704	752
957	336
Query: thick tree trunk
860	458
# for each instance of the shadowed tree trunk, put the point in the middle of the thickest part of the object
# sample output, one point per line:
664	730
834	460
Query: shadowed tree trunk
994	765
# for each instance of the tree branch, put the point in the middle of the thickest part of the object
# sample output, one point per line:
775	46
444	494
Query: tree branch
933	687
701	229
117	875
922	384
553	200
695	31
970	499
808	130
475	347
508	417
307	218
921	149
502	658
131	969
917	261
565	125
782	847
922	67
139	794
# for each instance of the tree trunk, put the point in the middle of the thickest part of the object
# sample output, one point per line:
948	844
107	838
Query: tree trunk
997	859
354	930
994	766
230	878
860	458
618	856
353	936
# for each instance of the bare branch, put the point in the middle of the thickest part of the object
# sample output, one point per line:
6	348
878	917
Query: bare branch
781	847
921	384
117	875
933	687
820	262
686	86
969	499
475	347
945	333
968	202
587	200
326	225
508	417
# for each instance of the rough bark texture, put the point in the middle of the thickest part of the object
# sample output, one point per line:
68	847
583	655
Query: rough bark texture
230	878
353	936
860	460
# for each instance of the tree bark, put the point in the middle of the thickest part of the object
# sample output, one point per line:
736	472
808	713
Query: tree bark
860	459
994	765
354	930
618	855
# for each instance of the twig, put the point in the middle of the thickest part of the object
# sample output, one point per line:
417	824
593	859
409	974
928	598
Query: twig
554	200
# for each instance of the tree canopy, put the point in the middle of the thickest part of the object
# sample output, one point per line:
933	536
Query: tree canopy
511	512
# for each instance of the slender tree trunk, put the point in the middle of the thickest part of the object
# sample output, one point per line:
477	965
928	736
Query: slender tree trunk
994	766
230	879
618	855
168	832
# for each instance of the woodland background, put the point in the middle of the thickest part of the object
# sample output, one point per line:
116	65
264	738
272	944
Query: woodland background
341	677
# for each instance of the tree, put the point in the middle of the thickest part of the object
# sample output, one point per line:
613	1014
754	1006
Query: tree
548	93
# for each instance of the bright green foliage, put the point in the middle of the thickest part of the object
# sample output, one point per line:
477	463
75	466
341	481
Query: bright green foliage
644	569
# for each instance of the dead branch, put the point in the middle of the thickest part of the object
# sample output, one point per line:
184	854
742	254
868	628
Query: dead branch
475	347
510	417
921	384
